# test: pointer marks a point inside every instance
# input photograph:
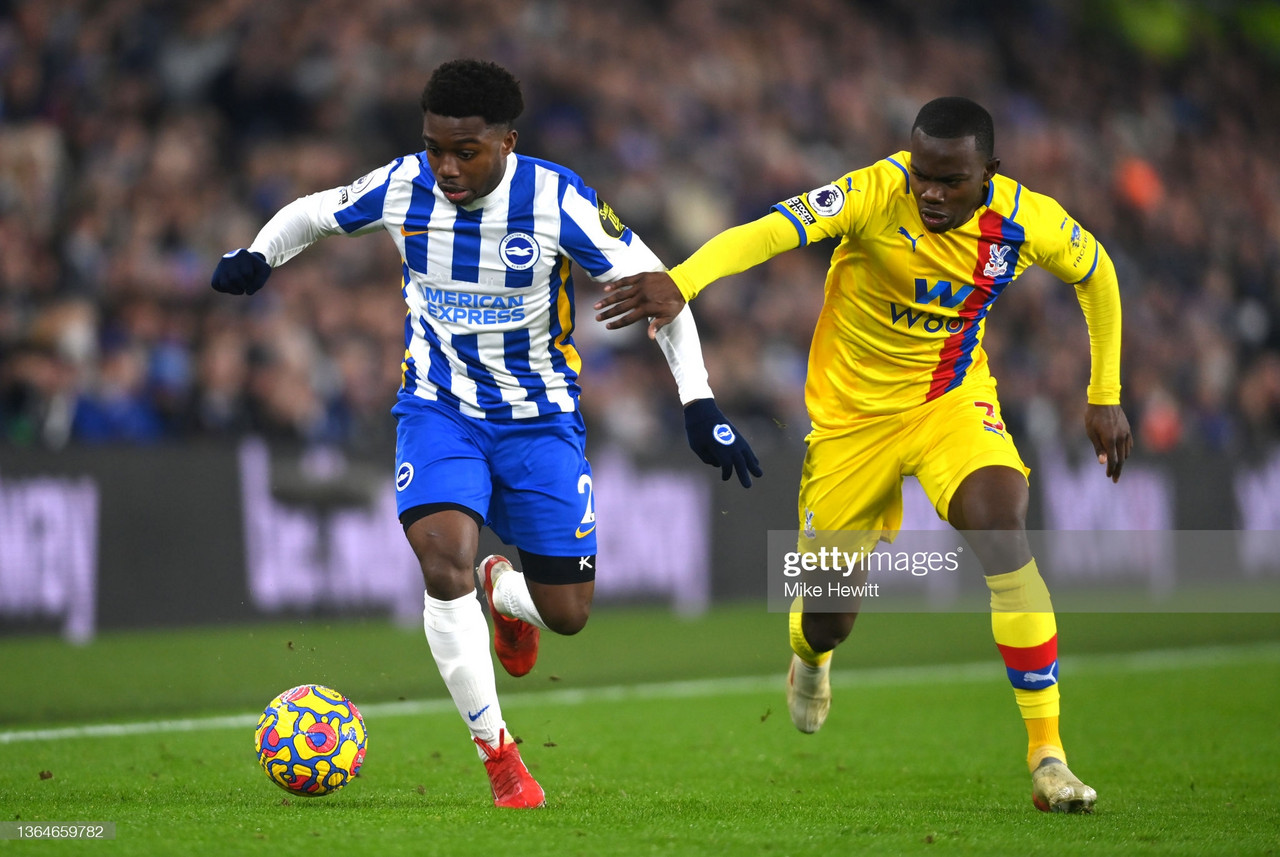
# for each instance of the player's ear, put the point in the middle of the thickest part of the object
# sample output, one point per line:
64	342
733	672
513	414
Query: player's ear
992	167
509	142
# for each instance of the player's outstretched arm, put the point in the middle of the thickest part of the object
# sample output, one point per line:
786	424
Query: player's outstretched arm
291	230
660	296
1108	429
240	272
652	295
715	440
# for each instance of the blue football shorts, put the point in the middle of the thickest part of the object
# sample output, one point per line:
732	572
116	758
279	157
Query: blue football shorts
528	480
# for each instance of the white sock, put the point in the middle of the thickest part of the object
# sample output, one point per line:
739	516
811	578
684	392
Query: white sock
512	598
459	639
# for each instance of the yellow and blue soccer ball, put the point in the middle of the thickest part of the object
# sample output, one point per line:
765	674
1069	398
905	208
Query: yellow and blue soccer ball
310	740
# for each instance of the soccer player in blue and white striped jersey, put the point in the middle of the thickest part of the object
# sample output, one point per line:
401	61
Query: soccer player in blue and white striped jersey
488	426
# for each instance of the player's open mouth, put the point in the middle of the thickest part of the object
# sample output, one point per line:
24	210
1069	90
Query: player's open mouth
455	194
933	218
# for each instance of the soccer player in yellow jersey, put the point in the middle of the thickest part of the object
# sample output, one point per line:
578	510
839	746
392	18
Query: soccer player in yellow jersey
899	384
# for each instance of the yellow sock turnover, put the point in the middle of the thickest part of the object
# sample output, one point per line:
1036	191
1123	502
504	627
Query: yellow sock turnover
799	644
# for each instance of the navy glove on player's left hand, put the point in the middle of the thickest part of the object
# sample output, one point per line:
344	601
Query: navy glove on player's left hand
717	442
241	272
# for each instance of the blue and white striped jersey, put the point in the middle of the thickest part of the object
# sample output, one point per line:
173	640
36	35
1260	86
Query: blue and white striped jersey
490	320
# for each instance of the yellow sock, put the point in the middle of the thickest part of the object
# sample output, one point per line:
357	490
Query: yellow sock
1026	633
799	644
1043	741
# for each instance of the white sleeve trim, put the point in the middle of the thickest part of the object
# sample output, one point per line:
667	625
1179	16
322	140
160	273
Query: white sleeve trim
680	344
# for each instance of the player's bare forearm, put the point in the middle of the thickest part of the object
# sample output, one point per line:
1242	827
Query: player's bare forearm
1108	430
653	296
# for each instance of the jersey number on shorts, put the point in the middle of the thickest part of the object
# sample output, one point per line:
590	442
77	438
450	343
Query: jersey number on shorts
589	516
991	424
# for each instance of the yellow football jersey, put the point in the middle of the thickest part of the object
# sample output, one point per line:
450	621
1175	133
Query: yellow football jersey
904	309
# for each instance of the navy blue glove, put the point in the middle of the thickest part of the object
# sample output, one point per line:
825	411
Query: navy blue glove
717	442
241	273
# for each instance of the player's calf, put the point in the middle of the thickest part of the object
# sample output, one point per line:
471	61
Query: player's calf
559	591
562	609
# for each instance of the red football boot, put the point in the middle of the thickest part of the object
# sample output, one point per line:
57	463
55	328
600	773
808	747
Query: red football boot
515	640
513	786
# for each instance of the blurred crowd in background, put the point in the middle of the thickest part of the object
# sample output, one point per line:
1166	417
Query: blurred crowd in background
139	140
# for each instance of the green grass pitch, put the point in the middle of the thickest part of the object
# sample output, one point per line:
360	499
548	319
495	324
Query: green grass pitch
659	735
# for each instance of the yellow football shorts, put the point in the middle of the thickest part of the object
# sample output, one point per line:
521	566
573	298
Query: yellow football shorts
852	476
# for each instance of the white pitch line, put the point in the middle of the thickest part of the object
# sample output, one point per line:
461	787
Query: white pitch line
1155	660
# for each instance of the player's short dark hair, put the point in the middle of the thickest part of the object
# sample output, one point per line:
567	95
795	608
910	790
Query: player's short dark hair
461	88
954	116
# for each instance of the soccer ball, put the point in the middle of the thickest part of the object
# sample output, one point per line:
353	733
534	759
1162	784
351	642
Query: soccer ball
310	740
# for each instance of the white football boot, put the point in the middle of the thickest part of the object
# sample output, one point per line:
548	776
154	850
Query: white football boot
1055	789
808	694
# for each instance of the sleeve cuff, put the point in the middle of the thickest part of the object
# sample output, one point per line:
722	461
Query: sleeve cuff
688	289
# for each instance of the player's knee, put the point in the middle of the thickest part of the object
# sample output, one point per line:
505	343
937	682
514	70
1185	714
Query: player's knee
991	499
446	563
444	539
978	512
999	519
445	577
